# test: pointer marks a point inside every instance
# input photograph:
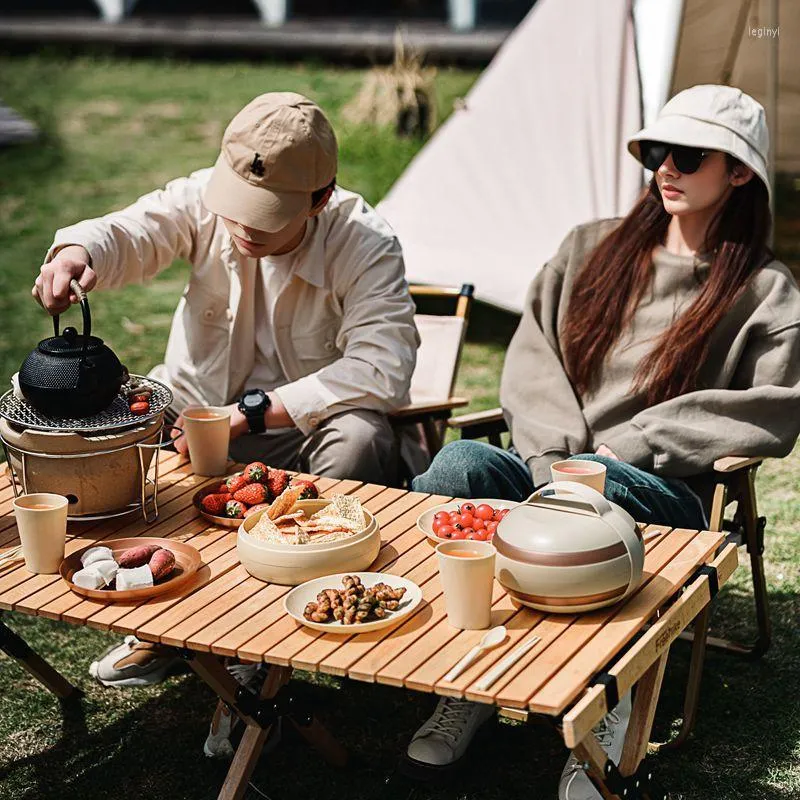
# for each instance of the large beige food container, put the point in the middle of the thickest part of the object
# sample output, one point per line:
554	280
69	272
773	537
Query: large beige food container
94	484
567	553
293	564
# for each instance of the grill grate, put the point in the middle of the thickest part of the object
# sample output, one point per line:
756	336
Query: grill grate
116	417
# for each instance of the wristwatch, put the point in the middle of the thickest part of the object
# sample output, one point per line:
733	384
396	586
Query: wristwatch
254	404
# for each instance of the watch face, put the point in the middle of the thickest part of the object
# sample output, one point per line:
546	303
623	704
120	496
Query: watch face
252	400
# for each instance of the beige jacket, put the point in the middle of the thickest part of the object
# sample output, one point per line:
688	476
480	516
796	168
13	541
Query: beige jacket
748	402
343	325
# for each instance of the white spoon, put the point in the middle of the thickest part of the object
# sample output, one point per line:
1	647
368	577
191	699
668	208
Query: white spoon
490	639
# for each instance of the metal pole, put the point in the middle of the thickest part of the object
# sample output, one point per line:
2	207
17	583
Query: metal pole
773	82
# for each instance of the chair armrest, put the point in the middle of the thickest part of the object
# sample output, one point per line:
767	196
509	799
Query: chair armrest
428	408
734	463
492	416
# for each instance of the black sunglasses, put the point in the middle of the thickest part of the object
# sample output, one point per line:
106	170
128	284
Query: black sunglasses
686	159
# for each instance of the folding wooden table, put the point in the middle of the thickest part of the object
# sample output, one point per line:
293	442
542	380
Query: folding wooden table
573	675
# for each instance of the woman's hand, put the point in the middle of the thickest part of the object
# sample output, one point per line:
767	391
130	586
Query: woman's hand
51	289
607	452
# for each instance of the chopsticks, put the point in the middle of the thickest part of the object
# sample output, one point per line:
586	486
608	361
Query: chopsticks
505	665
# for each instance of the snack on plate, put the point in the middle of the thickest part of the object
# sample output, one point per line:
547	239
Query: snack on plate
341	518
97	575
96	554
137	556
136	578
135	568
355	603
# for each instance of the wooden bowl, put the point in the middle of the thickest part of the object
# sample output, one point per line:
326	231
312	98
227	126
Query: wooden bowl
187	561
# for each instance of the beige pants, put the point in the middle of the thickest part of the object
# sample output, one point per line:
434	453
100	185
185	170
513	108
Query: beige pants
359	445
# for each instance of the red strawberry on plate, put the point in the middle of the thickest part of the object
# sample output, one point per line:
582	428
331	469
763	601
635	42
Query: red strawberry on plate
235	482
256	472
234	509
252	494
277	481
309	489
215	504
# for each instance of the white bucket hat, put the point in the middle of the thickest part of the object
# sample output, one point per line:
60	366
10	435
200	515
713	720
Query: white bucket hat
715	118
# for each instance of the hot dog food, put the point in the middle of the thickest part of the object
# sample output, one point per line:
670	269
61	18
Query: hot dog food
134	568
354	603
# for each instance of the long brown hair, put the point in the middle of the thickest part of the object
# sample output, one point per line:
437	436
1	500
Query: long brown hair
612	281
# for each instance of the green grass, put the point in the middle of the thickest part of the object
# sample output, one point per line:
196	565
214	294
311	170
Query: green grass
115	129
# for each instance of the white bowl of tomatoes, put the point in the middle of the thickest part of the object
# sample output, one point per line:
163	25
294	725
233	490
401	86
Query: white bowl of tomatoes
464	519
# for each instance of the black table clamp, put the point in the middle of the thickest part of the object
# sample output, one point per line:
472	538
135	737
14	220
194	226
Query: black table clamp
641	785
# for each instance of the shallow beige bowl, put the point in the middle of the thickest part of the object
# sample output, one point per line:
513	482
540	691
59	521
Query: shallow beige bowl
293	564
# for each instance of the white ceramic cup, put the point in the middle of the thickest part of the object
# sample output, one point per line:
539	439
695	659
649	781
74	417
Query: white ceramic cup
467	582
42	524
589	473
208	434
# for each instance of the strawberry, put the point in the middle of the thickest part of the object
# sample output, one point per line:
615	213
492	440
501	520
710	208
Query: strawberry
309	490
257	472
253	509
235	509
252	494
235	482
215	504
277	481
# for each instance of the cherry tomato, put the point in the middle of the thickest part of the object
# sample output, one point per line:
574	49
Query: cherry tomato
457	534
445	531
491	527
467	508
436	525
468	531
475	536
503	512
467	519
442	515
498	515
454	517
481	536
484	512
478	524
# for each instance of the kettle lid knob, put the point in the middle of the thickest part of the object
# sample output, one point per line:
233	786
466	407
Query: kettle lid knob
71	335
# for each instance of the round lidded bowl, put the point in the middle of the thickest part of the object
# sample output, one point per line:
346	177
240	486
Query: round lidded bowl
570	552
293	564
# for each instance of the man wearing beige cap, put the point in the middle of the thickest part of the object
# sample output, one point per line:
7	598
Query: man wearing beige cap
296	312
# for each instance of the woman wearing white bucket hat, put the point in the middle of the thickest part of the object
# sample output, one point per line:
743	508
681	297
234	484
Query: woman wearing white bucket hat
654	344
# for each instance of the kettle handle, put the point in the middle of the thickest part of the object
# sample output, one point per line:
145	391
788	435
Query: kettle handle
586	496
87	316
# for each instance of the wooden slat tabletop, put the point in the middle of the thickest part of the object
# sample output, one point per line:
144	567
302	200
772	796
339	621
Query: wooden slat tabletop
228	612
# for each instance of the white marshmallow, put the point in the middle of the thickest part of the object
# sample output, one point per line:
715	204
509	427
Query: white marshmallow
107	569
136	578
89	578
96	554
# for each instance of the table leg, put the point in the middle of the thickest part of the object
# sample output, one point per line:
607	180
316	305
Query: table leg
591	753
18	649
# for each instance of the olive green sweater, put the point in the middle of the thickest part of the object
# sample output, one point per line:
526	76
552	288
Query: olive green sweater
749	404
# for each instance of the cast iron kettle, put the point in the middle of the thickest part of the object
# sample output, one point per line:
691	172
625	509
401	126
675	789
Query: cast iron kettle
73	374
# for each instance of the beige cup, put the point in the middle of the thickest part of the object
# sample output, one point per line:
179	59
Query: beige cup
42	524
467	582
589	473
208	434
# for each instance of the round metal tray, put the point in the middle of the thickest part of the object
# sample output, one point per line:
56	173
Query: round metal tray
116	417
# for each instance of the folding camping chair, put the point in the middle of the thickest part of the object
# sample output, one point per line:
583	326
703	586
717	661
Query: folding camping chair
734	486
442	338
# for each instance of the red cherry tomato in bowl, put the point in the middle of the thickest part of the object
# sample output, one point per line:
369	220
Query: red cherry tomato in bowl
491	527
484	512
445	531
478	524
467	519
457	534
467	508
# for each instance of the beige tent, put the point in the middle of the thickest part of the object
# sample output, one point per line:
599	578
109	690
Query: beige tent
540	144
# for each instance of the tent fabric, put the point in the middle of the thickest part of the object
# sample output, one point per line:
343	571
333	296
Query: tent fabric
737	54
538	148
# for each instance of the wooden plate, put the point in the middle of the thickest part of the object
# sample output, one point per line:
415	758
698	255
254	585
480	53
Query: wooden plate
295	602
222	522
187	562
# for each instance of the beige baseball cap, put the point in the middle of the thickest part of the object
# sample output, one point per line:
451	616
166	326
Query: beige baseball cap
276	151
713	117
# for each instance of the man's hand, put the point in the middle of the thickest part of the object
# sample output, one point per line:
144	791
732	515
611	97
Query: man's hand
607	452
51	289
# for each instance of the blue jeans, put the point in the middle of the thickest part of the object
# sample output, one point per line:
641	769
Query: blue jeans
467	468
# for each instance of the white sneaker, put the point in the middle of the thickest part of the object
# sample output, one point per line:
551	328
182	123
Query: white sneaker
133	663
610	732
218	742
443	738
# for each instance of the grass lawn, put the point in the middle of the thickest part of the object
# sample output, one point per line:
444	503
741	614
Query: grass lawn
114	129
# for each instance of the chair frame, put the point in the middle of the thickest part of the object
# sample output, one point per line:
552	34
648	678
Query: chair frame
433	416
735	484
